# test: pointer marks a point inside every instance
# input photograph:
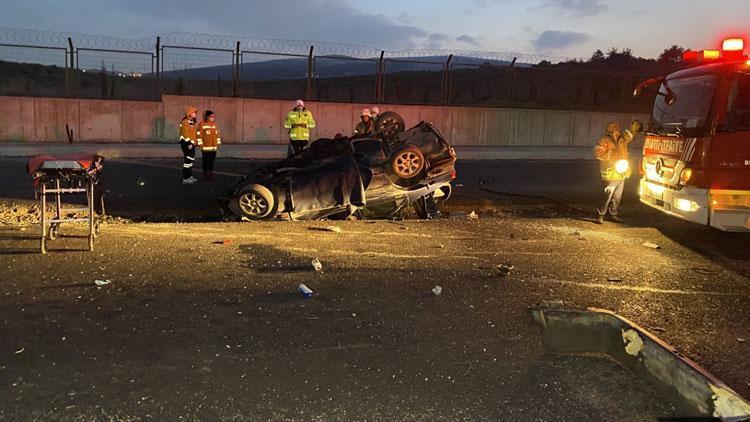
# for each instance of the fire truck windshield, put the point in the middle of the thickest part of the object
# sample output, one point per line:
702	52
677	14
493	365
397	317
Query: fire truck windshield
683	105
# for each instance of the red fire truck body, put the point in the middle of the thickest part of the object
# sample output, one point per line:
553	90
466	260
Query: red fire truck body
696	155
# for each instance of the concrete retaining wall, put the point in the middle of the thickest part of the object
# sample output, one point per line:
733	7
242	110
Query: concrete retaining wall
250	121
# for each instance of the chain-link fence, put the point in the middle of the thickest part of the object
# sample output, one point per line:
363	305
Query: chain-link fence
38	63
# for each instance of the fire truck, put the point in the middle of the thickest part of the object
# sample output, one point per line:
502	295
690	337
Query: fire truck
696	154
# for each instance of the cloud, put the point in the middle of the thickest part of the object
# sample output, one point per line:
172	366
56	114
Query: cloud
578	7
315	20
549	41
436	40
468	39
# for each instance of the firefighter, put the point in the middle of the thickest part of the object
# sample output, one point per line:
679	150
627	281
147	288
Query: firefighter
299	121
366	125
612	153
374	113
188	140
209	141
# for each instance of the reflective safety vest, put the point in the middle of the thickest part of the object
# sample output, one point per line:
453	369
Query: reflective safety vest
208	136
609	151
188	132
293	121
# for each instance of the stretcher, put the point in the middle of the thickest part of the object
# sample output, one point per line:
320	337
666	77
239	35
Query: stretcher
66	175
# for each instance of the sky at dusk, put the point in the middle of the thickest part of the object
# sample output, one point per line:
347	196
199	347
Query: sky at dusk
569	28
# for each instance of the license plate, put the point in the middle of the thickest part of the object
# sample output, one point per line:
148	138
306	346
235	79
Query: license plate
657	196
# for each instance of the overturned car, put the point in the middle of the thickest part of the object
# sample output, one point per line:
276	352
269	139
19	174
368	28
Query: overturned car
366	177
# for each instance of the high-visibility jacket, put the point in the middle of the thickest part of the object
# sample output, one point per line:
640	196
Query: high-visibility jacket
209	138
294	121
364	128
609	151
188	126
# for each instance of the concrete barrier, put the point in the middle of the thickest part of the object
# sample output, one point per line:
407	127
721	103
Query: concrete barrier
254	121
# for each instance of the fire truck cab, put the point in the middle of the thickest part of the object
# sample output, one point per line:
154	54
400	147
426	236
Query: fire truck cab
696	155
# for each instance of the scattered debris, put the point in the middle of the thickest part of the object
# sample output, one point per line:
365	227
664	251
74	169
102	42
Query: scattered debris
224	242
333	229
575	233
101	283
19	351
459	185
651	245
317	266
305	291
505	269
440	246
740	340
142	184
437	290
614	280
473	216
657	329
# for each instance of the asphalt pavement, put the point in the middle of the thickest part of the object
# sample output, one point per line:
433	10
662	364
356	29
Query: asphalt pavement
202	320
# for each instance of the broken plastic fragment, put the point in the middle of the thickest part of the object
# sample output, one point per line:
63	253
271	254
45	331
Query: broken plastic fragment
101	283
20	350
473	216
317	266
505	269
437	290
333	229
651	245
305	291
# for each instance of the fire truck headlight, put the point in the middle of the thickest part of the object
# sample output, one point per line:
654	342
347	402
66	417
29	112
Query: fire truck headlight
685	176
686	205
622	166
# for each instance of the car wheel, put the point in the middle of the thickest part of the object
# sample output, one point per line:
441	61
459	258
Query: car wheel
256	202
389	124
407	165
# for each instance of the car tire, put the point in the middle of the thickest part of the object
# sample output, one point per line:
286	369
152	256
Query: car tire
407	165
256	202
389	125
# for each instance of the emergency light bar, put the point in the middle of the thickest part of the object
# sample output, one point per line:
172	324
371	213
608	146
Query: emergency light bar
731	49
733	44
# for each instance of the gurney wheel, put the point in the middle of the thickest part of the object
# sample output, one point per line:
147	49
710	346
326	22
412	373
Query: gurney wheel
52	232
91	243
43	245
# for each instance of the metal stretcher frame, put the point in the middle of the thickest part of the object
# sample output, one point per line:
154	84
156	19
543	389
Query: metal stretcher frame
80	181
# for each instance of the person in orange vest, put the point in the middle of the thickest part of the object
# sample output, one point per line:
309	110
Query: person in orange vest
188	140
209	141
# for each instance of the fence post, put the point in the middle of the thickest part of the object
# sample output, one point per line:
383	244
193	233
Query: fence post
379	80
310	69
158	67
70	84
236	88
446	89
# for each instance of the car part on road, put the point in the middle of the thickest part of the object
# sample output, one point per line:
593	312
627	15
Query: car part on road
692	390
